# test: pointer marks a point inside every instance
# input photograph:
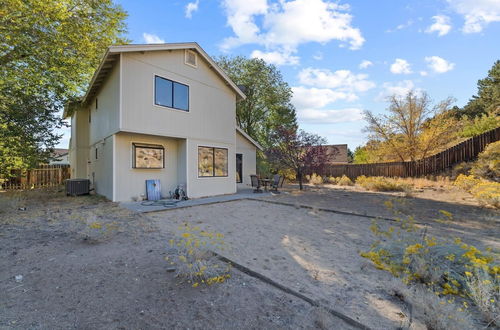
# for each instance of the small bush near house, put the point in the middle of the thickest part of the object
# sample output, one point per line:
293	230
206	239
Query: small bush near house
315	179
344	181
444	267
380	183
487	165
194	261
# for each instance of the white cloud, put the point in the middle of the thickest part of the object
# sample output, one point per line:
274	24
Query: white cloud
402	26
191	8
318	56
477	13
287	24
152	39
327	116
316	98
401	66
439	64
423	73
400	88
275	57
441	25
365	64
342	80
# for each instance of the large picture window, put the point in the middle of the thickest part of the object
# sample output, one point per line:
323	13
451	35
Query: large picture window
171	94
148	156
212	162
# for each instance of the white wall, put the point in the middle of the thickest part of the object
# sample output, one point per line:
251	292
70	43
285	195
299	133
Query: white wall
131	182
249	152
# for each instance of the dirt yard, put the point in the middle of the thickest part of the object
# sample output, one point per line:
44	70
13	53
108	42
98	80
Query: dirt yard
316	252
88	264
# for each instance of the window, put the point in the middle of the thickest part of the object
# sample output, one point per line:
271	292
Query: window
148	156
212	162
96	104
96	153
171	94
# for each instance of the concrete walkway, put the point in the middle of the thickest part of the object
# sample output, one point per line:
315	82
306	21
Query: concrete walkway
165	204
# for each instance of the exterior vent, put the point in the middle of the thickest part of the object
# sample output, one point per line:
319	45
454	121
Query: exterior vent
76	187
191	58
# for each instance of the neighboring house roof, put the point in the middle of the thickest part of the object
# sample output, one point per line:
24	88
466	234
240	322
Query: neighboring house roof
58	152
114	51
246	136
337	152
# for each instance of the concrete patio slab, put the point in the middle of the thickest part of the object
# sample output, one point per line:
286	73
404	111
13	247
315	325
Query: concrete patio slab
164	204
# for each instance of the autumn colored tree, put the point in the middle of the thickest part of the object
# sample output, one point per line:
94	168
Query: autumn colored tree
48	52
299	151
413	128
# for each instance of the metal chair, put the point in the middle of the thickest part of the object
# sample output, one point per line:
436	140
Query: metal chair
276	182
255	183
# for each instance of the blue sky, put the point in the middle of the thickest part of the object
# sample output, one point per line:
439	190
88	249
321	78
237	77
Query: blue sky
340	58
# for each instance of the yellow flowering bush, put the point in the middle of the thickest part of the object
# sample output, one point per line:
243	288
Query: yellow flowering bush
194	261
444	266
487	192
345	181
332	180
315	179
466	182
380	183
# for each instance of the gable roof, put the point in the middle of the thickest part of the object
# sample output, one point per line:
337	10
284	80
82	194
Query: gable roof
249	138
113	53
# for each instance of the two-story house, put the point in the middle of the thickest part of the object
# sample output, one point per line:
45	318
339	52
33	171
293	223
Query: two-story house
162	111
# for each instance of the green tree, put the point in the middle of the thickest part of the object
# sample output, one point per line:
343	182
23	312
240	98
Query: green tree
360	155
487	100
268	103
48	52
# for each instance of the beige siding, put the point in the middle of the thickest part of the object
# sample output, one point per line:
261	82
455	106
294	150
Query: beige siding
131	182
249	152
79	147
212	104
209	186
105	119
101	167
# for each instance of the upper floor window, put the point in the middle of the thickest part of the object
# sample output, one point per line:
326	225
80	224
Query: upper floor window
171	94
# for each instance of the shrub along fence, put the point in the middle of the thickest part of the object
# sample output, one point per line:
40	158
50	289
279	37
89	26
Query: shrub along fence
43	176
462	152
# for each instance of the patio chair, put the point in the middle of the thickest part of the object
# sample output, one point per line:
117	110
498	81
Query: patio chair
255	183
275	184
282	181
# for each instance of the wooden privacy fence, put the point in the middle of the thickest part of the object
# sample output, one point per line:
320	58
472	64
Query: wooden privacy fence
462	152
44	176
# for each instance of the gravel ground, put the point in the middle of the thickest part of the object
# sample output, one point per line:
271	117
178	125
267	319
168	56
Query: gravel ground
88	264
